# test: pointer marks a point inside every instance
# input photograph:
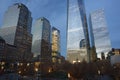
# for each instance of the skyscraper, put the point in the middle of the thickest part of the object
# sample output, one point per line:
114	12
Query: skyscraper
99	32
41	39
77	32
55	45
18	15
2	48
16	29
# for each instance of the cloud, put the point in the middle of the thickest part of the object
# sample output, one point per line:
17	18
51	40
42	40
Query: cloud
75	29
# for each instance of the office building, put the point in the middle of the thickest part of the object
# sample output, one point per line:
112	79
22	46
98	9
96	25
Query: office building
93	54
16	29
99	32
7	52
116	51
77	32
115	59
2	49
41	39
18	15
55	45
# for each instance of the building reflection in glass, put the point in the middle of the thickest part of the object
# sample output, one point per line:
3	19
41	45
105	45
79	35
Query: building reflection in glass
100	34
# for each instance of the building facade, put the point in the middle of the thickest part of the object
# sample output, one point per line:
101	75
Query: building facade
99	32
116	51
41	39
77	32
2	49
7	52
20	15
93	54
55	45
17	31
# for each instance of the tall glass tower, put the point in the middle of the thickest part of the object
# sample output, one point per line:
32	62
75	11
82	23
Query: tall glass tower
55	44
18	15
16	28
77	32
41	38
99	32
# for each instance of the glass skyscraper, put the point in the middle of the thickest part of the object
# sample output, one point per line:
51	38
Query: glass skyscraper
18	15
41	38
99	32
55	45
77	32
16	28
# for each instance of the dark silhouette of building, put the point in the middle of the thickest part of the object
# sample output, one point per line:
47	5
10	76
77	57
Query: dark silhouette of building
93	54
102	55
8	53
2	49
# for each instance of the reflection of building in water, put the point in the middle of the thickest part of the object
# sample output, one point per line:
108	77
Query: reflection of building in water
77	33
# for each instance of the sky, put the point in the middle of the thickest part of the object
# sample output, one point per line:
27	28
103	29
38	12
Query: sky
56	12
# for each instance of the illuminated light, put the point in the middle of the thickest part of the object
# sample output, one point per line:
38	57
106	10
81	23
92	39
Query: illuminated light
79	61
74	62
98	71
69	75
2	67
19	72
37	64
28	64
3	63
36	69
18	64
49	70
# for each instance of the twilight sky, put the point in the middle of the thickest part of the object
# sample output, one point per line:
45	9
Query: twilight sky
55	12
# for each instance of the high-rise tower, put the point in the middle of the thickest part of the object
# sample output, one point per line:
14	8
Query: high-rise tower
18	15
99	32
16	28
77	32
55	45
41	39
